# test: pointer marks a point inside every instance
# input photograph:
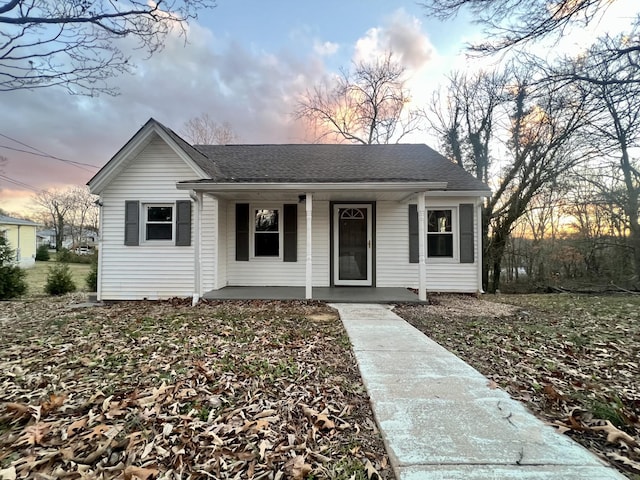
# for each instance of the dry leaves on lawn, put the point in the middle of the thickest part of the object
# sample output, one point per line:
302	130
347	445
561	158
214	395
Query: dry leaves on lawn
163	390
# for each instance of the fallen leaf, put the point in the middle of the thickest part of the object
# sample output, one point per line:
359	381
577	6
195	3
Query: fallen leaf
615	435
372	473
8	473
54	403
76	426
139	473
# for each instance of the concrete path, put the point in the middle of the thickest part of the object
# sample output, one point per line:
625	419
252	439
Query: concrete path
439	418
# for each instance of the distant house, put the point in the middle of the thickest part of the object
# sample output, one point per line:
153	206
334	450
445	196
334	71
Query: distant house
184	220
21	237
46	237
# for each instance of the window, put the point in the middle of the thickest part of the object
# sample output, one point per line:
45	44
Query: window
266	233
158	222
440	233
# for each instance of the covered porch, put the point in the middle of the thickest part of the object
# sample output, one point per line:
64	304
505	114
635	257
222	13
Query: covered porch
324	294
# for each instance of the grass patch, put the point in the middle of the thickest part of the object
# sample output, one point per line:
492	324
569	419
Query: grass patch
36	277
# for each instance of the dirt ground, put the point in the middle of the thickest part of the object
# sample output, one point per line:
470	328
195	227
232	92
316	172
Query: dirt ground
572	359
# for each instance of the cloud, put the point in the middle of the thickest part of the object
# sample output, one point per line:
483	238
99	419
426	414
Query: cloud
325	48
403	36
254	91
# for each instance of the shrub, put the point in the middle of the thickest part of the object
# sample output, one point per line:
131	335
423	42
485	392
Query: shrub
64	254
92	277
67	256
12	282
59	280
42	254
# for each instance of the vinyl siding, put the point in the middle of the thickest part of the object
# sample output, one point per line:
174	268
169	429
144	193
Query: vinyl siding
221	260
151	271
392	252
274	272
22	240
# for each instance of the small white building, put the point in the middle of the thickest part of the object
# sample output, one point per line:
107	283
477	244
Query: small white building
182	220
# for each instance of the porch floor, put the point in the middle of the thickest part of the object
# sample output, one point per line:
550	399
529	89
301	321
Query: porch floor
325	294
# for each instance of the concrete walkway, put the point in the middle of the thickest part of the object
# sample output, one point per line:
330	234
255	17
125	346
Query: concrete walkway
439	418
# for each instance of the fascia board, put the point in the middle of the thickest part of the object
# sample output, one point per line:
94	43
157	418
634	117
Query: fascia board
379	186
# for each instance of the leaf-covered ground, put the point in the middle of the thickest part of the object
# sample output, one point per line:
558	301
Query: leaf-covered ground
261	390
573	360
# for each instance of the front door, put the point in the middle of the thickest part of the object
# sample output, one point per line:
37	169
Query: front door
352	253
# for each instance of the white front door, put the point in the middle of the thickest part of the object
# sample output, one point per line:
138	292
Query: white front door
352	252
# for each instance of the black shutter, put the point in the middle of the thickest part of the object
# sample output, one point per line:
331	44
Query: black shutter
466	233
242	232
131	222
290	231
183	223
414	244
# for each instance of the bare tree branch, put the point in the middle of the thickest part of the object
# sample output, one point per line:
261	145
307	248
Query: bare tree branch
74	43
367	105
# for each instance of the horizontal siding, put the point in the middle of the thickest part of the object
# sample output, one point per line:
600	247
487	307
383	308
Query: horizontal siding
271	272
392	253
145	271
221	260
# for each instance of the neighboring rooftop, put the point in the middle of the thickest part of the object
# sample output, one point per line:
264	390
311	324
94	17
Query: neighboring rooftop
6	220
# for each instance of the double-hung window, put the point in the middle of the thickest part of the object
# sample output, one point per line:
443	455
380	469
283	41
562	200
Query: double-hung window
158	222
266	232
440	242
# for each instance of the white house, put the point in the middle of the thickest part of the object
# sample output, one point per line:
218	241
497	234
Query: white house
190	221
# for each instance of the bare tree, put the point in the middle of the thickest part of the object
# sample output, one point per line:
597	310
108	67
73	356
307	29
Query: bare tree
204	130
56	204
82	214
614	125
515	22
73	43
529	127
366	105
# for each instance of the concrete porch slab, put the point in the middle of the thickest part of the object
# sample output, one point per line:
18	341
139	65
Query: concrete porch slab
324	294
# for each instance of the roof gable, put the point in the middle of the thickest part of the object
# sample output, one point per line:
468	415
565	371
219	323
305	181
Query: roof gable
195	159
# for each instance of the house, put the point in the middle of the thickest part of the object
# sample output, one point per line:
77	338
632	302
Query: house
190	221
21	236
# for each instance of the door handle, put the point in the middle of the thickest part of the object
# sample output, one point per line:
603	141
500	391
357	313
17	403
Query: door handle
369	243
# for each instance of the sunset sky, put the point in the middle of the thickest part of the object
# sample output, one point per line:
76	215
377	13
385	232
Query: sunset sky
246	63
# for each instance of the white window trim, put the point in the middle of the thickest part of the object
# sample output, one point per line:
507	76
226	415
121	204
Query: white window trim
143	224
252	231
454	232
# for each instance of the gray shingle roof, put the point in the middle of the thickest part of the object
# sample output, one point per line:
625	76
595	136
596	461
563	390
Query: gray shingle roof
312	163
6	220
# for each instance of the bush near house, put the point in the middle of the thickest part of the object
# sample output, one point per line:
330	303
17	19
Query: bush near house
42	253
12	282
91	279
59	280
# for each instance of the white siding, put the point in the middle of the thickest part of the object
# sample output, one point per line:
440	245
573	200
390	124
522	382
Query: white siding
145	271
221	260
392	252
274	272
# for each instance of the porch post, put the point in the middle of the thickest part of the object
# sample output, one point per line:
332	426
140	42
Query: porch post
422	266
309	266
197	290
